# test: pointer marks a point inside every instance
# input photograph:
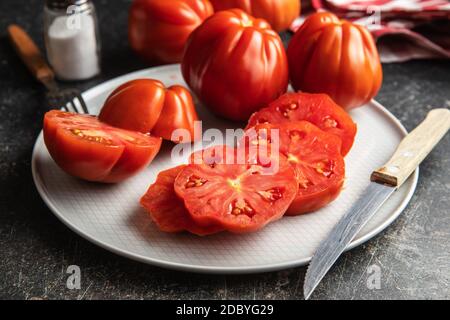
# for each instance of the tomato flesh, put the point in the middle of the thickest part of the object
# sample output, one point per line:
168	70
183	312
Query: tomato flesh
240	197
319	109
139	152
86	148
167	210
316	156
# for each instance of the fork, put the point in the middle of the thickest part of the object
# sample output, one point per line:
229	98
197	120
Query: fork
68	99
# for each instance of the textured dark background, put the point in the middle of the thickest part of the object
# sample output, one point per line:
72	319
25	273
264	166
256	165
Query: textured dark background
35	248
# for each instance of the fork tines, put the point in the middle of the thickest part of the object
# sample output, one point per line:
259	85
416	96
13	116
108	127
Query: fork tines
77	105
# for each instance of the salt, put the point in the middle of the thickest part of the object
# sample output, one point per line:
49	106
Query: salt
72	49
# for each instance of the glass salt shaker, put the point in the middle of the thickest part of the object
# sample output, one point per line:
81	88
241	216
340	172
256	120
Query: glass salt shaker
72	39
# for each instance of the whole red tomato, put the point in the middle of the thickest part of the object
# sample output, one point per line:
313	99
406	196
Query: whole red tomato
158	29
236	64
279	13
328	55
147	106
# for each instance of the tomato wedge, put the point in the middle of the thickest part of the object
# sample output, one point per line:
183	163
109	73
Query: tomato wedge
319	109
316	156
167	210
240	197
88	149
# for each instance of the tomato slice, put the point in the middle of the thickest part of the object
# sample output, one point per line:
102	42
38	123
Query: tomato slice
316	156
319	109
239	196
140	150
88	149
167	210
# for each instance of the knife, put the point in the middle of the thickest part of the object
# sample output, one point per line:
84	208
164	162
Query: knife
384	182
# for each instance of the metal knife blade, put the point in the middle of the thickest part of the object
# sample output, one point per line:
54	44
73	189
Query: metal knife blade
343	233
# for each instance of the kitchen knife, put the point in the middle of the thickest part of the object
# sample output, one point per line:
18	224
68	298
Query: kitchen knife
385	181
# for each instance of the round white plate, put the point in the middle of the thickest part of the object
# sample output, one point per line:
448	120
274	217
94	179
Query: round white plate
110	215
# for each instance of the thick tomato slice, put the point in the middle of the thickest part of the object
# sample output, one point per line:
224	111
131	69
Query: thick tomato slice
316	156
139	152
319	109
55	119
240	197
135	105
88	149
167	210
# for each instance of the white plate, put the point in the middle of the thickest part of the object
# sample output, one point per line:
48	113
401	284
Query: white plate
110	216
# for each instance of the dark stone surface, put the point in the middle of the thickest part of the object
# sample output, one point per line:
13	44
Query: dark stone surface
36	249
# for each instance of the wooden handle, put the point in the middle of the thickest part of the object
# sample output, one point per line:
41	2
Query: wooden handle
30	54
414	148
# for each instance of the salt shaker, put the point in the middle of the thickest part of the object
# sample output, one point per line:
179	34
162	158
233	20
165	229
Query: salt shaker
72	39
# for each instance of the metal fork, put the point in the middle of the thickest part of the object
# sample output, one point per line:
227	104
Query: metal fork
68	99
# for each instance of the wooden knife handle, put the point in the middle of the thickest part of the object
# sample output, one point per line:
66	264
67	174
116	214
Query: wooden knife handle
414	148
30	54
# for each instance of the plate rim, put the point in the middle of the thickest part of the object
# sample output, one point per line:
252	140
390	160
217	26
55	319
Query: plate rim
39	184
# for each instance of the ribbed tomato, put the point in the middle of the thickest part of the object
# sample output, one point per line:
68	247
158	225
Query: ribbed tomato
235	64
147	106
88	149
279	13
167	210
135	105
178	113
158	29
316	157
337	57
239	196
318	109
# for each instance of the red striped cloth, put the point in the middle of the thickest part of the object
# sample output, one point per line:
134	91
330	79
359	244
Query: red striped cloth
403	29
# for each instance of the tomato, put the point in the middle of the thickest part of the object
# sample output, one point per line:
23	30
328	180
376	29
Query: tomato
239	196
167	210
135	105
88	149
316	156
337	57
235	64
178	113
159	29
318	109
279	13
145	105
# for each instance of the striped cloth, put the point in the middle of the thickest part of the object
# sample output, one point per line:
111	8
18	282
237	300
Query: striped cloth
403	29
